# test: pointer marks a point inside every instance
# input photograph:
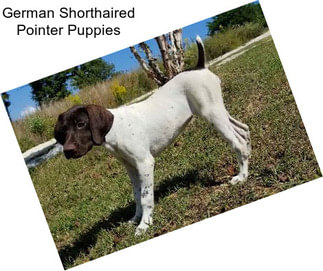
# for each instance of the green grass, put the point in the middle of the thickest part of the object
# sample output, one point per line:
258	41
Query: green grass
87	201
223	42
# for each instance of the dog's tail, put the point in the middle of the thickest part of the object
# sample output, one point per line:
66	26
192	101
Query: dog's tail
201	53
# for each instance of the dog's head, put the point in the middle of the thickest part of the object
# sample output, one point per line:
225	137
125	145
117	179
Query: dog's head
81	127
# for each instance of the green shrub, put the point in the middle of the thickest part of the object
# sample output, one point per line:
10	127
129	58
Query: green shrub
36	125
74	99
249	31
190	54
119	91
144	82
136	83
49	127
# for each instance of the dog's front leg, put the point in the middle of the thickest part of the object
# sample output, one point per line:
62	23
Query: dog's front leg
135	181
145	170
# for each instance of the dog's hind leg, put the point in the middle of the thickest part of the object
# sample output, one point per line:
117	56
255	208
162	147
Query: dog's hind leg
243	131
239	139
235	132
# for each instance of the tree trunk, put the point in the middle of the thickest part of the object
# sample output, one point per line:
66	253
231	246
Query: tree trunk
172	54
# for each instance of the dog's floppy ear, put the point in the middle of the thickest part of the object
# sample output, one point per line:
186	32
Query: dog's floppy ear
59	131
100	122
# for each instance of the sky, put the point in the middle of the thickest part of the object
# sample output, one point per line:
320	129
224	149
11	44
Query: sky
22	103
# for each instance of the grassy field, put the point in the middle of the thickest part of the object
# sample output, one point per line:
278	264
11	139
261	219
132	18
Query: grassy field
87	201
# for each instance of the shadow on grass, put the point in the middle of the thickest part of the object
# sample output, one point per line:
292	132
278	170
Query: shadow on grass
87	240
68	254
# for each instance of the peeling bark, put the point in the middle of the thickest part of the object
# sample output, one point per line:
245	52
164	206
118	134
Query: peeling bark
152	62
165	53
144	65
172	54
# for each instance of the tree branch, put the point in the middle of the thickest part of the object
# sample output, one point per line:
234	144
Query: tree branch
144	65
152	63
162	44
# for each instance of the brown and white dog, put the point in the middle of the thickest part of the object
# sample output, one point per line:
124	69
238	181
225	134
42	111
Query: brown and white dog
137	133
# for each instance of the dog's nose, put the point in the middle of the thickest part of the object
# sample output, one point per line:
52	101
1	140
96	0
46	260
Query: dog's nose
69	150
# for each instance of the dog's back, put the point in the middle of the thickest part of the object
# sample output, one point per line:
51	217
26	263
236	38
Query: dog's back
164	115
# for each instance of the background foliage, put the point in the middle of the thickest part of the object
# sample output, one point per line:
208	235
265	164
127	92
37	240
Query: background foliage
58	86
91	73
237	17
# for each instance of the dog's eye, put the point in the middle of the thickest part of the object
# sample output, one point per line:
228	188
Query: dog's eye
80	124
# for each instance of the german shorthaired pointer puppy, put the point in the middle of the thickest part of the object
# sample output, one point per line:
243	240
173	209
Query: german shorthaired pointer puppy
137	133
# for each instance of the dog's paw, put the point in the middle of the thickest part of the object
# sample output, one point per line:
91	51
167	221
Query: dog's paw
141	229
237	179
